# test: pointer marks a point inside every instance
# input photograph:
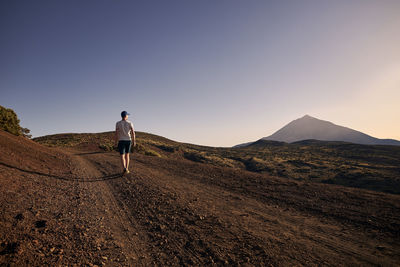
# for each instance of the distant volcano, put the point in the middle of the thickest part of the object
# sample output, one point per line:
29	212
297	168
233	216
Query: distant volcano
308	127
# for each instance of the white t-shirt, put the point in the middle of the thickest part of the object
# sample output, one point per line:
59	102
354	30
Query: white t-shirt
123	128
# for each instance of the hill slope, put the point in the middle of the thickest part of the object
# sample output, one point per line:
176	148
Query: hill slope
308	127
362	166
173	211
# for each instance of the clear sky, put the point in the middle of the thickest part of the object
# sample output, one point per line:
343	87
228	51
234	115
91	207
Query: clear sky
217	72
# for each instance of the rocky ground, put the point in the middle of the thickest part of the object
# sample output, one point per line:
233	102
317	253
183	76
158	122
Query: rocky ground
72	207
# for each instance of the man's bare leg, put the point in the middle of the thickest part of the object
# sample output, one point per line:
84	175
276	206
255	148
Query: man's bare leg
123	161
127	160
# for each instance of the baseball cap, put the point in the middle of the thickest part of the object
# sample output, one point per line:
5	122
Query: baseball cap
124	113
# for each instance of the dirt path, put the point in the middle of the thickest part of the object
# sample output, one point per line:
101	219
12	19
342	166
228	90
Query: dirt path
170	212
123	230
185	215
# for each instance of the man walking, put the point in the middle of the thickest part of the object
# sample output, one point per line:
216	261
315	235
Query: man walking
124	135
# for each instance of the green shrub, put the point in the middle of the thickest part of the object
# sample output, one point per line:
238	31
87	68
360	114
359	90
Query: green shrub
149	152
162	146
221	161
211	159
166	148
257	165
9	122
107	147
145	151
194	156
138	148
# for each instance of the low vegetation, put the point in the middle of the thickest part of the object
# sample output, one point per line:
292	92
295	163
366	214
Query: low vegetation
363	166
203	157
107	147
158	144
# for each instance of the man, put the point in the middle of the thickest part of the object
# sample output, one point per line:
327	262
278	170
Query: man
124	131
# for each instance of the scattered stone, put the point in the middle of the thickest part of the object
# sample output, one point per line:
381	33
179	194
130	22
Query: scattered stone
40	224
19	217
9	248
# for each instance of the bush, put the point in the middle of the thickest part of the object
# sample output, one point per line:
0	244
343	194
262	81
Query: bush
211	159
145	151
153	153
138	148
257	165
107	147
166	148
194	156
162	146
9	122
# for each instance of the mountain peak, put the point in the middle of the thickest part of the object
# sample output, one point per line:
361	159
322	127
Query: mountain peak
307	117
308	127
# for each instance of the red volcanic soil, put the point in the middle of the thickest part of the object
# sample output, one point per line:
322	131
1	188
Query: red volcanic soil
66	207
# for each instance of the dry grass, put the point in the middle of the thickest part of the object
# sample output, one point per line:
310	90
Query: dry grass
364	166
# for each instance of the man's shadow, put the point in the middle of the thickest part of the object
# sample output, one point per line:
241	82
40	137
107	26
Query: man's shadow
88	180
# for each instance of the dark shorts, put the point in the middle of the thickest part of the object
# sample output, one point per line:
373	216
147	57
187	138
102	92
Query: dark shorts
124	147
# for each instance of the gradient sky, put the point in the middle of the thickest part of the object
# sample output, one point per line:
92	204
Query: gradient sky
211	72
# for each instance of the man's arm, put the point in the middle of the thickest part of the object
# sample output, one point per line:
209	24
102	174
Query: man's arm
133	136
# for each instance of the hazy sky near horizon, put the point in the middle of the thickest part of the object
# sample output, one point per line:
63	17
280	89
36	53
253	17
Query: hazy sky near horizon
216	72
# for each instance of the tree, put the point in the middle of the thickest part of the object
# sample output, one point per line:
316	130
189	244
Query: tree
25	132
9	122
